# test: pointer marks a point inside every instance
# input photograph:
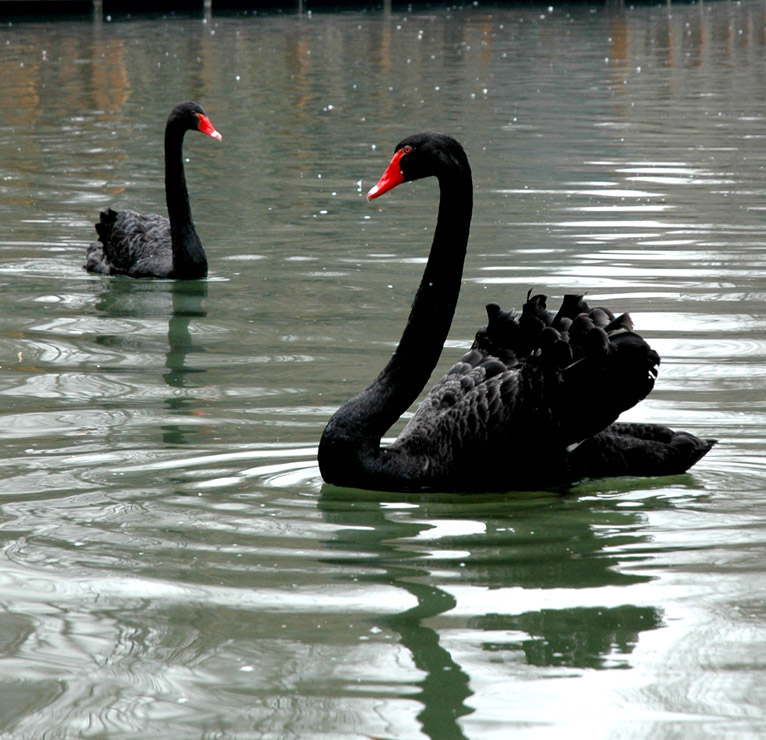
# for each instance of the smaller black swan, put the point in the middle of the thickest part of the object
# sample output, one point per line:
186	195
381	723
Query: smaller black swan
532	404
151	246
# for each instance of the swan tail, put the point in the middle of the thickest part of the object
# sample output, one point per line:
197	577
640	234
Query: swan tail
637	450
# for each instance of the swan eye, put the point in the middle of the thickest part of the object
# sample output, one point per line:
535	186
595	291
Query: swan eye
406	149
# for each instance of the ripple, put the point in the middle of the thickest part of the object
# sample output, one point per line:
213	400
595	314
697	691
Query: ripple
57	351
222	469
50	268
278	475
609	190
637	208
70	386
60	422
719	346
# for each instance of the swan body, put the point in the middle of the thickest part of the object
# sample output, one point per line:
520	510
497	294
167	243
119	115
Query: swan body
148	245
533	403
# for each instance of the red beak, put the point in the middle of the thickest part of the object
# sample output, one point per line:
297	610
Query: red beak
391	177
207	128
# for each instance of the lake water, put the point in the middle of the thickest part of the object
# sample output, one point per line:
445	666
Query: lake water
172	565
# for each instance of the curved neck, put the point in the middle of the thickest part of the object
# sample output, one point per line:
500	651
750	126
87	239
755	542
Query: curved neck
433	309
188	256
352	436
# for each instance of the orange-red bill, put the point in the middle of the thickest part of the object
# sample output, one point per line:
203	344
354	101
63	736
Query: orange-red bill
391	177
207	128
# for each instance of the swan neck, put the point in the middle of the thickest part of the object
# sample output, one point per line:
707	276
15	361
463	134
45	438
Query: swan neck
350	447
436	299
188	255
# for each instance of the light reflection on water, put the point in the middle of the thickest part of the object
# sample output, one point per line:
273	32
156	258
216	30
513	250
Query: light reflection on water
173	566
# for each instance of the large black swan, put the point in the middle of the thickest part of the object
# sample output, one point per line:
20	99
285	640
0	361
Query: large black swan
151	246
531	405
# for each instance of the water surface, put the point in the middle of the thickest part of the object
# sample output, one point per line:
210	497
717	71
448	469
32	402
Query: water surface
172	565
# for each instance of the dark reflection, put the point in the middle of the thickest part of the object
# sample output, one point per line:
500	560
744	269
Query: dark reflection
179	302
585	637
187	304
529	541
444	688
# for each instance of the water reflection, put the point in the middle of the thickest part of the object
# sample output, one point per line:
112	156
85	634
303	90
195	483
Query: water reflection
374	539
187	304
175	304
585	637
473	566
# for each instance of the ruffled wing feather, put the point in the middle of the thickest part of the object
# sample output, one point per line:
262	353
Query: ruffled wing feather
130	243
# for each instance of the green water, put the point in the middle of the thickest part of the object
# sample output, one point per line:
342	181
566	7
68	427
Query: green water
172	565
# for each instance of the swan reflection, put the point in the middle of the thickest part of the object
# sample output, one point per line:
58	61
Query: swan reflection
513	575
159	313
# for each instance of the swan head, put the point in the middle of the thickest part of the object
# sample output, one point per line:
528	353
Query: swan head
427	154
191	116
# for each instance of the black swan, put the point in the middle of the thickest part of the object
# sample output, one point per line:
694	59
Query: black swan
531	405
151	246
